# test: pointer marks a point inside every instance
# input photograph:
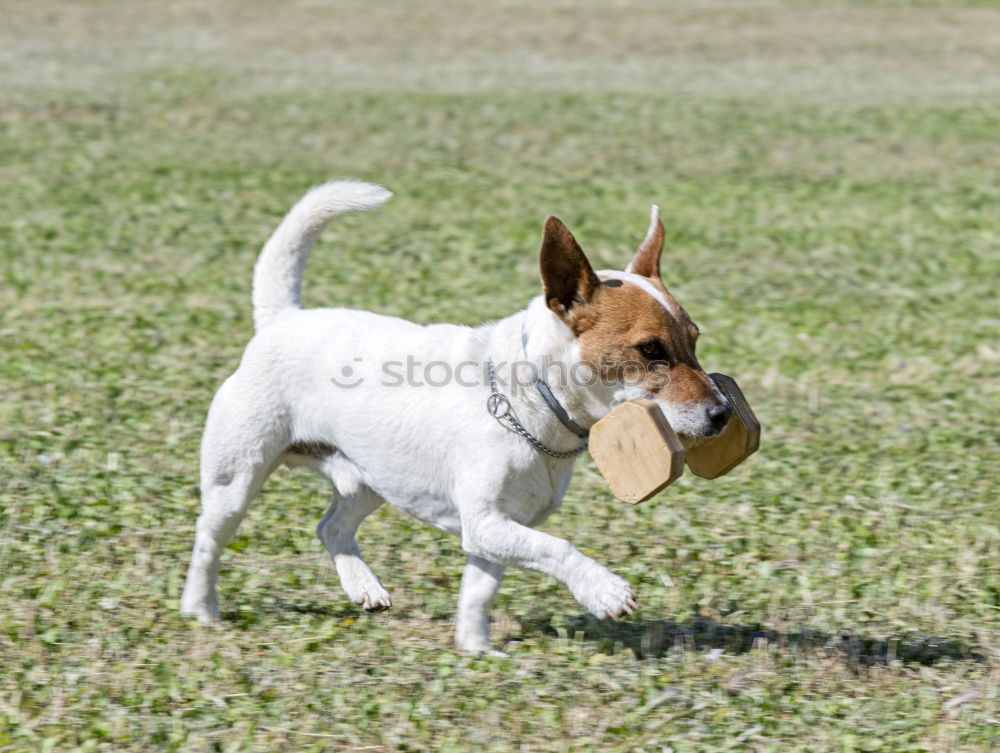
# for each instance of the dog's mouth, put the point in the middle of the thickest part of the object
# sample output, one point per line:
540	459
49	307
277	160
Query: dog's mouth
691	432
693	440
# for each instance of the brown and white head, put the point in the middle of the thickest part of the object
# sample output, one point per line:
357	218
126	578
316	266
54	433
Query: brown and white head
630	332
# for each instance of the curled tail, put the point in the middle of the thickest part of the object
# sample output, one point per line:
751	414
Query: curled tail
277	277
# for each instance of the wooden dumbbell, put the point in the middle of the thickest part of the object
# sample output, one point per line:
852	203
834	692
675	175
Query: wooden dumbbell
739	440
639	454
636	450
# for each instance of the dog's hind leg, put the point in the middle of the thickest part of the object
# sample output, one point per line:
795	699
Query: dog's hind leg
337	530
480	583
239	450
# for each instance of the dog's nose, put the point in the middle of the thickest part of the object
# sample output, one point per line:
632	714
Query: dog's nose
718	416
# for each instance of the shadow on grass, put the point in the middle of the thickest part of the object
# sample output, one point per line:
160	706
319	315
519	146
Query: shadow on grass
653	638
338	610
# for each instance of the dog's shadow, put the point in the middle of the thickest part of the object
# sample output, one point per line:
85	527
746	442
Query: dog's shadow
654	638
336	610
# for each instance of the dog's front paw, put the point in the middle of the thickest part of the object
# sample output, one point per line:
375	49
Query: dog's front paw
362	586
372	596
375	599
201	603
477	646
206	611
604	594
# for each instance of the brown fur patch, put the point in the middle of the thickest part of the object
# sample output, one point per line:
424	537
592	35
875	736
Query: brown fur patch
567	275
646	261
611	320
618	319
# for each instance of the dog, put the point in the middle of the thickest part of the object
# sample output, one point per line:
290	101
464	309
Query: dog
315	389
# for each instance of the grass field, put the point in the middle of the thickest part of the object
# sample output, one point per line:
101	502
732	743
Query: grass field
828	175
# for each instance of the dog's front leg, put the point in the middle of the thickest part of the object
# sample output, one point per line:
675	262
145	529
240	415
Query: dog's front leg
507	542
480	583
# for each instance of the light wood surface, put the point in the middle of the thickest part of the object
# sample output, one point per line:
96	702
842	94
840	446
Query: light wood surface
639	455
738	441
636	450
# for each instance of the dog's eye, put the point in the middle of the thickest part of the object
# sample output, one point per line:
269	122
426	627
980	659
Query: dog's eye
653	350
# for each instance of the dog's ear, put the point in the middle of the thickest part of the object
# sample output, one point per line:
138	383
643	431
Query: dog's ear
646	261
567	275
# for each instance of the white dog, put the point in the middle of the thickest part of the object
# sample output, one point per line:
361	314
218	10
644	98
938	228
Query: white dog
340	391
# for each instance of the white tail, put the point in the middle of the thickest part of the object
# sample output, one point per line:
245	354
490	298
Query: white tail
277	277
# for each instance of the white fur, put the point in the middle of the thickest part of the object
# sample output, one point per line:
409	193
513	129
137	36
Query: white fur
277	278
433	452
641	282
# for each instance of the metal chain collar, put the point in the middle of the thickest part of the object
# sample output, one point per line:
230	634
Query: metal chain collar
498	406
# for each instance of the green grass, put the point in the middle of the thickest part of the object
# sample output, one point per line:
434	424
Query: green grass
838	246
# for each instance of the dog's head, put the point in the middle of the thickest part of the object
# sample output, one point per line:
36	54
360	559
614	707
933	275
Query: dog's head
631	332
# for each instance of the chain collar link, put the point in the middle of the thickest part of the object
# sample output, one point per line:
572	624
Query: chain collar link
498	406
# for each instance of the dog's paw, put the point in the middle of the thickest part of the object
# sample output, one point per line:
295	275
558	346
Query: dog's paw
200	603
362	586
376	602
490	652
478	645
206	614
604	594
372	596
